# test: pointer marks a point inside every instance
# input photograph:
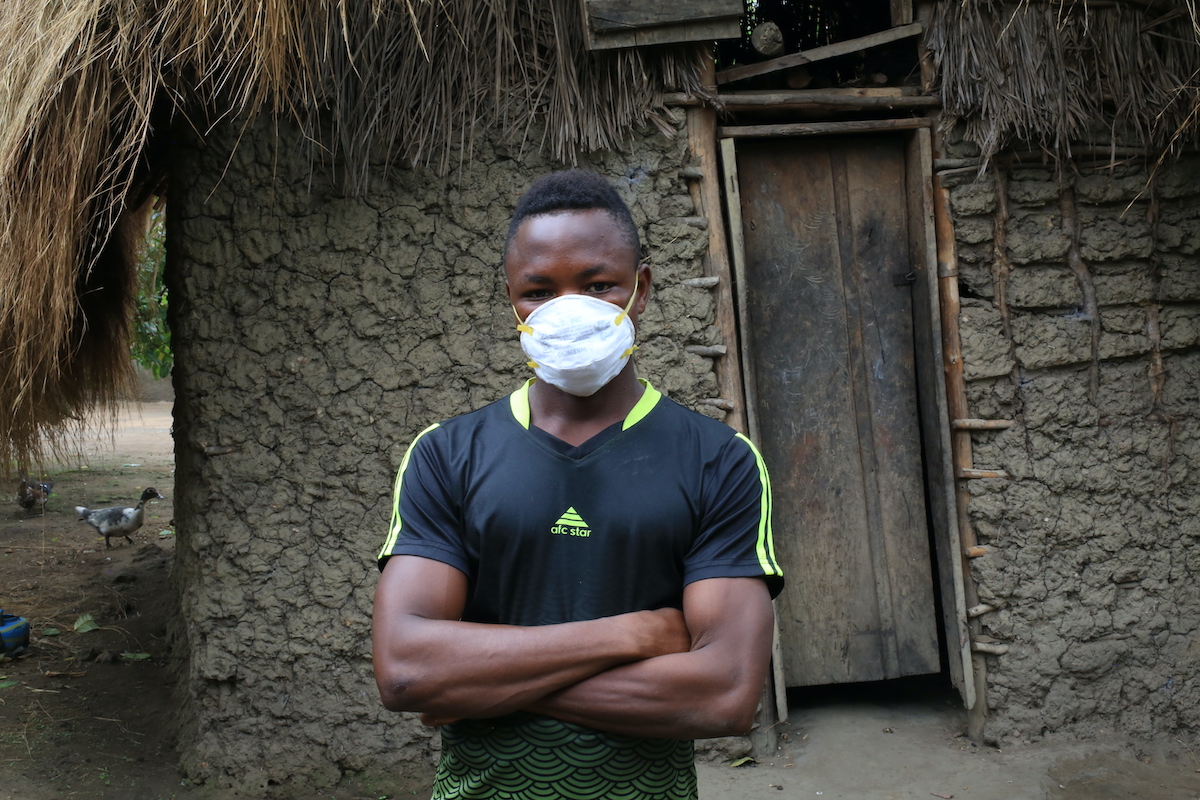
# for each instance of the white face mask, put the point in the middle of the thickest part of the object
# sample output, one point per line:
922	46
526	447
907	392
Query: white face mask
578	342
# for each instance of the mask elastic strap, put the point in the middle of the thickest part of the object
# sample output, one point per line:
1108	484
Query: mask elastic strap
521	326
621	317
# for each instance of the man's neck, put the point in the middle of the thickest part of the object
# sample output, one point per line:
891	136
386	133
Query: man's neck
577	419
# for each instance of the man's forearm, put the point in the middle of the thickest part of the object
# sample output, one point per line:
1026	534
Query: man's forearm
641	673
427	660
682	696
712	690
451	669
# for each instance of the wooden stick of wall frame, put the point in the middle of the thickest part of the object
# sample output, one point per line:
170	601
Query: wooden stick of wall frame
823	128
737	246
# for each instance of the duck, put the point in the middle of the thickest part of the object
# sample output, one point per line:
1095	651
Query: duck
31	493
118	520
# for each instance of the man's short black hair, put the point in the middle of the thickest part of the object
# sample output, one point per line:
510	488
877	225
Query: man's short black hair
573	190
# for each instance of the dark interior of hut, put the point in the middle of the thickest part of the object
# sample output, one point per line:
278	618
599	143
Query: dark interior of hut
772	28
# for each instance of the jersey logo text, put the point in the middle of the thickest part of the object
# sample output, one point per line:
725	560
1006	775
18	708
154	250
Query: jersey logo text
571	524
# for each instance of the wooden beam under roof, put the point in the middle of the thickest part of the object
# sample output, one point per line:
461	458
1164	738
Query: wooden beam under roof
823	128
635	23
823	101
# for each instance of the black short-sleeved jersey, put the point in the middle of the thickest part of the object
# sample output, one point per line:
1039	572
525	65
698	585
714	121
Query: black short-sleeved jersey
549	533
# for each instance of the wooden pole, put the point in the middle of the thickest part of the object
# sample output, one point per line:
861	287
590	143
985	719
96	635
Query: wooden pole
738	250
706	196
982	424
935	418
685	99
823	101
967	474
956	397
823	128
980	610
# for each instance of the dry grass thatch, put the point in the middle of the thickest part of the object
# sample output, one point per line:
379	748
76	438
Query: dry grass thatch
1058	72
87	82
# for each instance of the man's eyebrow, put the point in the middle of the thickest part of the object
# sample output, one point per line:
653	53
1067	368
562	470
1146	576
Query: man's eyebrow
537	277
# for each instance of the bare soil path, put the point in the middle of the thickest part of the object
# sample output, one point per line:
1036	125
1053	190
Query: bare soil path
907	741
92	714
88	714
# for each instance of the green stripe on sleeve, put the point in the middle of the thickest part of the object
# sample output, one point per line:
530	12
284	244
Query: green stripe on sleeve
394	533
765	545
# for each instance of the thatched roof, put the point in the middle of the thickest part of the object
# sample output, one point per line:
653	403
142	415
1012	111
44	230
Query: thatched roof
88	83
1060	72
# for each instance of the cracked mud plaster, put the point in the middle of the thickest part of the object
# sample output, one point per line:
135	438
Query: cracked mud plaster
316	335
1094	544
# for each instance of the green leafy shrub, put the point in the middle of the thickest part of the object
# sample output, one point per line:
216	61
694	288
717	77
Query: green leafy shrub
150	345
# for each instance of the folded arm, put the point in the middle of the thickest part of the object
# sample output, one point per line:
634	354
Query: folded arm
711	690
427	660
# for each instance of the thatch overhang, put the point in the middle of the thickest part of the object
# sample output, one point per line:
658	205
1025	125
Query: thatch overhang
1061	73
91	86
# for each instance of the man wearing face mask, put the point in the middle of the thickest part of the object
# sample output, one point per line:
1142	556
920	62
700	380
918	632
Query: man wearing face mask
578	577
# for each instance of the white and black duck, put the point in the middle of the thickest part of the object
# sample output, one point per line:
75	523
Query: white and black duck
118	520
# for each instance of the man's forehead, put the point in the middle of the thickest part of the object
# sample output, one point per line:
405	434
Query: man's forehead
558	232
594	221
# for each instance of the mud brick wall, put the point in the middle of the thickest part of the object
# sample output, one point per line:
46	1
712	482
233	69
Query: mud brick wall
315	335
1080	321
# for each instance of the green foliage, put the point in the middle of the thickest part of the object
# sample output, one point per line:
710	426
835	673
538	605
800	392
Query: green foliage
150	344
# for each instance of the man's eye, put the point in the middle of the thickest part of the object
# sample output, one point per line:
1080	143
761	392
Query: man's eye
537	294
599	287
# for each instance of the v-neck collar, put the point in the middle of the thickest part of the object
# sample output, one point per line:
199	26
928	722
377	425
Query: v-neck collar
580	451
518	402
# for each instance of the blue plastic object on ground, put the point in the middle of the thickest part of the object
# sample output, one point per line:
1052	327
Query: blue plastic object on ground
14	633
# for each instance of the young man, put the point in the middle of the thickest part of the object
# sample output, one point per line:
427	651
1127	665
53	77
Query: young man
578	578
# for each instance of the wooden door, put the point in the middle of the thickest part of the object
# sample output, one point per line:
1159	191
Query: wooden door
828	312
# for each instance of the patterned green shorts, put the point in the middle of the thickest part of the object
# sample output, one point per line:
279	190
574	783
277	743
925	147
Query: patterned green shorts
531	757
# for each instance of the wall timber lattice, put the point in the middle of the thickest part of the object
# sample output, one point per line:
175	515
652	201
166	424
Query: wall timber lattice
1081	321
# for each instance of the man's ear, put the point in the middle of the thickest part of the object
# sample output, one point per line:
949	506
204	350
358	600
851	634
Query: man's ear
645	278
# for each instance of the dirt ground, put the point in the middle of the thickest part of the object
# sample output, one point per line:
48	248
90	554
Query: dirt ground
91	714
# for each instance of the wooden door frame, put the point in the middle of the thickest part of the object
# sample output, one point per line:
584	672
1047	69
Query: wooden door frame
928	355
